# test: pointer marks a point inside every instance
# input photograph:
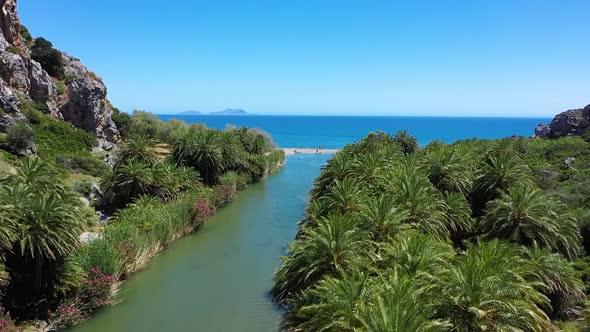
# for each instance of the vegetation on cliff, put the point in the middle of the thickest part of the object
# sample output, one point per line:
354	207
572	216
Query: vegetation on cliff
477	235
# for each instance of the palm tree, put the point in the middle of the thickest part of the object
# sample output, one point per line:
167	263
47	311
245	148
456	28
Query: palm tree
485	291
334	246
417	197
128	182
417	254
459	220
399	304
231	150
500	170
407	142
333	305
338	168
345	196
7	236
47	217
448	169
367	170
137	149
383	218
557	279
525	216
202	150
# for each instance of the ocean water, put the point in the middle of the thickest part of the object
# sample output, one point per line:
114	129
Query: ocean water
337	131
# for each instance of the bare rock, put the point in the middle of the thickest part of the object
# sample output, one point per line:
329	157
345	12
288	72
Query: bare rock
42	89
10	23
8	100
568	123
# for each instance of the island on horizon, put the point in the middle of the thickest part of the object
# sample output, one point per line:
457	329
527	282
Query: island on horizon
229	111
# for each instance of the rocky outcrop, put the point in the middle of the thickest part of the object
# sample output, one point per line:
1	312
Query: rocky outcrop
83	102
87	106
10	23
568	123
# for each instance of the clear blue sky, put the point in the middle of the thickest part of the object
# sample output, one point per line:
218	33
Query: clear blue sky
481	58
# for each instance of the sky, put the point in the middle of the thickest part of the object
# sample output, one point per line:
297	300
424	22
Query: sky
323	57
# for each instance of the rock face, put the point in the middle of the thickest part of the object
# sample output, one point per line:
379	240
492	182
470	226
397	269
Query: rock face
87	106
83	102
568	123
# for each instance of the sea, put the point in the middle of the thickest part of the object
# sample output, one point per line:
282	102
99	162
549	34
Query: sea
334	132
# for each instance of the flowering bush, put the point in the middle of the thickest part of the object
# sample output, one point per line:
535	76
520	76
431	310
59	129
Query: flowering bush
96	292
6	323
202	210
67	314
224	194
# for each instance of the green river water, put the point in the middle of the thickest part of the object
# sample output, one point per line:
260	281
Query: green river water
219	278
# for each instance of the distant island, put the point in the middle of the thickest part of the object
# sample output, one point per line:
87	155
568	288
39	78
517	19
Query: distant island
230	111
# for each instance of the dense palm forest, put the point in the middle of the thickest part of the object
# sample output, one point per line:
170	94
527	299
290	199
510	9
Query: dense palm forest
72	227
478	235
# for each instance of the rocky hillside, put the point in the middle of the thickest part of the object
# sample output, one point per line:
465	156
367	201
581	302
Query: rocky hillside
58	83
568	123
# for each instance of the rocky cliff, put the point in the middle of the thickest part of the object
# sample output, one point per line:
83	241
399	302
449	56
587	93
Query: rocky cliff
568	123
78	95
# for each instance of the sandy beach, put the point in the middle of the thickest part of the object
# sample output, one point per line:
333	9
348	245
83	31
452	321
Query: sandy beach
292	151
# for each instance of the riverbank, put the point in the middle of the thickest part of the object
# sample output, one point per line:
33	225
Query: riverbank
292	151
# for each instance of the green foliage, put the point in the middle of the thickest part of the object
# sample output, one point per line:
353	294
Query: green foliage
101	254
13	50
122	121
50	59
24	32
390	227
19	137
61	87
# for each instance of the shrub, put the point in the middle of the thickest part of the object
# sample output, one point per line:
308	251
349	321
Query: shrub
83	187
244	179
56	137
49	58
67	314
100	254
229	179
13	50
61	88
6	322
224	194
19	137
122	121
86	164
24	32
96	292
202	211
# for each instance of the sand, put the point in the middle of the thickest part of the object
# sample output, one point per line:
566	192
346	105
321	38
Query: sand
292	151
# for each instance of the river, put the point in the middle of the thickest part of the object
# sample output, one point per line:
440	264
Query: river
219	278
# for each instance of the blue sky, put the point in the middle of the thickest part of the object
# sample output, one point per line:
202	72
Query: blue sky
443	57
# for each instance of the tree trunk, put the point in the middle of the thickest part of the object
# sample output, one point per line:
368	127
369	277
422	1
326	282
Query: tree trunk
38	273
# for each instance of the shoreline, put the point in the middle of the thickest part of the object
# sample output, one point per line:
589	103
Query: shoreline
293	151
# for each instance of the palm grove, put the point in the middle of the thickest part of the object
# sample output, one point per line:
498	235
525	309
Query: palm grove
164	182
473	236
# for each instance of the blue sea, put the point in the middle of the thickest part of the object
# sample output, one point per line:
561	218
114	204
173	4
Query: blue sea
335	132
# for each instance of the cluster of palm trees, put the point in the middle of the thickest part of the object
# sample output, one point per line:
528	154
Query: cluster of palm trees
40	224
444	238
213	152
